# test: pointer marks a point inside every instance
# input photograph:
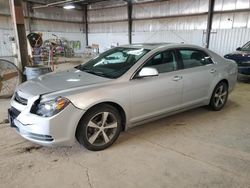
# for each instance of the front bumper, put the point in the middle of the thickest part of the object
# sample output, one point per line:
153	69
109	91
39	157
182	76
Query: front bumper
58	130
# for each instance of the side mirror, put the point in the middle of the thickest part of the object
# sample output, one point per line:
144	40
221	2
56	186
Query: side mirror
238	49
147	72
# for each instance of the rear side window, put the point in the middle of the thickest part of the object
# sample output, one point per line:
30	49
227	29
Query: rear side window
194	58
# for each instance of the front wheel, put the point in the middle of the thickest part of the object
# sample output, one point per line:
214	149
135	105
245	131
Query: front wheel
219	96
99	128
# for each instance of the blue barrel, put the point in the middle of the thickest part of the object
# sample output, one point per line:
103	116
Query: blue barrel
32	72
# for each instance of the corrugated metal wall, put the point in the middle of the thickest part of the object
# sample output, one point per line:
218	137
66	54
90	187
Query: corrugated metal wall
51	20
168	8
60	14
168	21
111	14
185	36
108	26
165	24
171	21
116	27
106	40
227	40
6	32
5	44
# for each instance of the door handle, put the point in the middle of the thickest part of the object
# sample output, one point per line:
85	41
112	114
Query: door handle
213	70
177	78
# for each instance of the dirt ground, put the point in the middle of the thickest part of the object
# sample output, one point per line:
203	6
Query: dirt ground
197	148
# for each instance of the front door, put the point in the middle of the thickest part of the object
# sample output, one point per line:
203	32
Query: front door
153	96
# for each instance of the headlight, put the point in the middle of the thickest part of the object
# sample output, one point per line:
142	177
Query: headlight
50	108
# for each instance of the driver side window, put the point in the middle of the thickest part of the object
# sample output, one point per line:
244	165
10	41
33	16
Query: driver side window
163	62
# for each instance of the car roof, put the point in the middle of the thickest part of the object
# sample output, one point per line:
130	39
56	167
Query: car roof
151	46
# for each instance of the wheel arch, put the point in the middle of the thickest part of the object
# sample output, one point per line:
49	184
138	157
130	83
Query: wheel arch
220	81
114	104
212	103
223	80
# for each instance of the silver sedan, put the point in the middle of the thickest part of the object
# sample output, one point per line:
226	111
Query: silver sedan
121	88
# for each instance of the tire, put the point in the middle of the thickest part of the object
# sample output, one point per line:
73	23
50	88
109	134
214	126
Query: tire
91	131
219	96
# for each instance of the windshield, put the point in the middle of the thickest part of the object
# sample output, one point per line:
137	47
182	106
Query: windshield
113	63
246	47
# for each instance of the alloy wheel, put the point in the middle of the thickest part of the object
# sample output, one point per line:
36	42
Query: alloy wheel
220	96
101	129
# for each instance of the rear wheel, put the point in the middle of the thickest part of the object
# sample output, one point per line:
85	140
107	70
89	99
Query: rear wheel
219	96
99	128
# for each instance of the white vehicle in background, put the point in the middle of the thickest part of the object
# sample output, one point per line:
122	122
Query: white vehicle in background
95	101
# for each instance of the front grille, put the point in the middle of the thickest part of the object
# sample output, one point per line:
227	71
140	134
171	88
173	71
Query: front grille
40	137
19	99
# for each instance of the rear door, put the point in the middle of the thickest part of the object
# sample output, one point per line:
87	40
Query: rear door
198	72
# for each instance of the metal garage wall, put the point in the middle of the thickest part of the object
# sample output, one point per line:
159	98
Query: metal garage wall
68	31
186	36
117	27
68	36
106	26
65	24
5	29
55	13
169	8
4	7
105	40
107	34
108	23
5	33
230	30
181	25
52	20
5	44
110	14
231	4
224	41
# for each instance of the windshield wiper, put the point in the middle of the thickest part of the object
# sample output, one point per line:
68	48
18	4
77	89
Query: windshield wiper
93	72
98	73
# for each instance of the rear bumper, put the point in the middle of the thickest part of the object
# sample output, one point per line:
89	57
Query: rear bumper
58	130
244	70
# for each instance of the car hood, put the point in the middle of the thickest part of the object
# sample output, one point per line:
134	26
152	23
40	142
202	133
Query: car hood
239	56
64	80
238	53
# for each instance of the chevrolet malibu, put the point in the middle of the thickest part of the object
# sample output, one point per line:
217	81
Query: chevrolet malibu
119	89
